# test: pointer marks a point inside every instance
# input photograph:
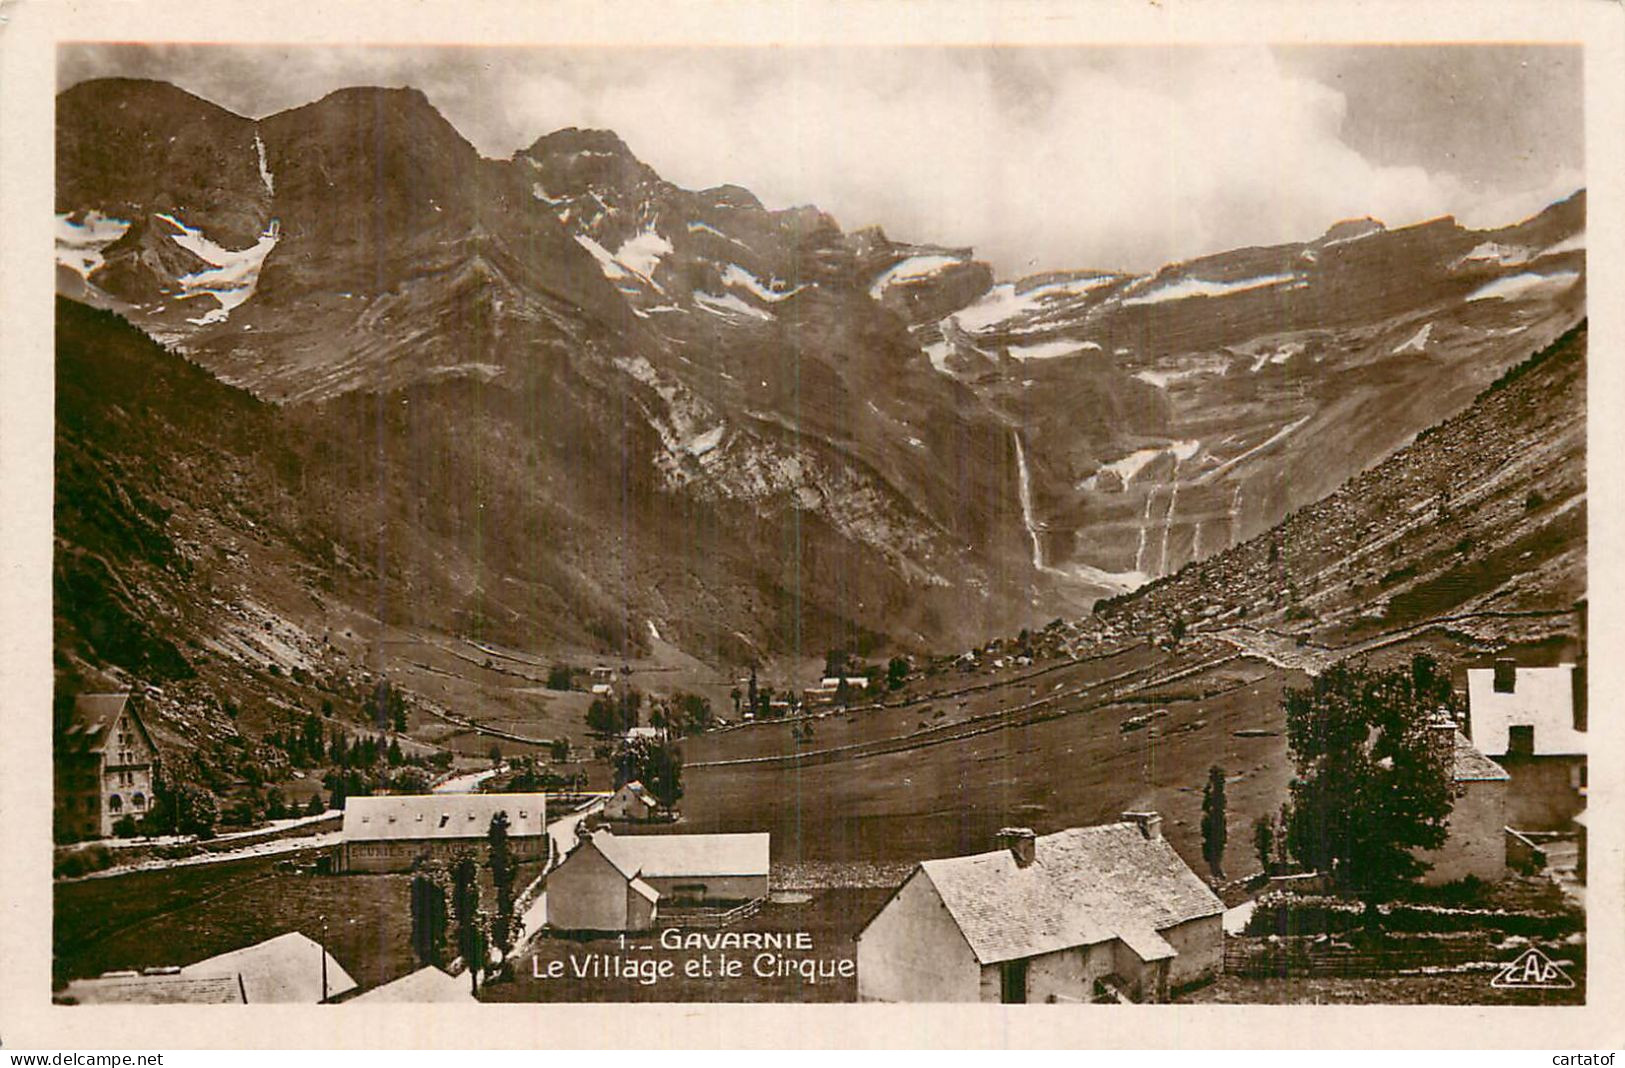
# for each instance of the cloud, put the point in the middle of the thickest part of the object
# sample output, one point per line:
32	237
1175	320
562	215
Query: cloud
1040	158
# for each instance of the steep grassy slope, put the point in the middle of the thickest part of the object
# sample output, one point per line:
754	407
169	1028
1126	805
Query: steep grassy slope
1467	542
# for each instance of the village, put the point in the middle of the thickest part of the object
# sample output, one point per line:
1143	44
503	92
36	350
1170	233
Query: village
508	880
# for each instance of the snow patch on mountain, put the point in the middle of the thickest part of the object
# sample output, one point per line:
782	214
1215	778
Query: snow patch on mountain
1518	285
701	444
707	228
233	273
912	269
735	275
1048	350
1186	288
607	263
641	253
727	305
79	244
1572	243
1002	302
938	352
1495	252
1417	343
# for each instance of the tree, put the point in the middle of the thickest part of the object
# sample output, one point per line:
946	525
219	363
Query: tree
504	927
1214	831
559	677
559	750
751	693
693	713
1264	842
1372	785
663	775
835	662
124	827
315	807
429	914
897	672
737	696
276	806
394	753
658	766
465	910
195	809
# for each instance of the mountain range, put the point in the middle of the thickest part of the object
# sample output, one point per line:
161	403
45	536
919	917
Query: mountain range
559	402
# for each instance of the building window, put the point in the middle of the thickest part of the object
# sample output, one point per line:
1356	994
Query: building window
1521	739
138	801
115	803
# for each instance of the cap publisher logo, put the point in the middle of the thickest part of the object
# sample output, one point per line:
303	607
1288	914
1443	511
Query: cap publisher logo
1532	970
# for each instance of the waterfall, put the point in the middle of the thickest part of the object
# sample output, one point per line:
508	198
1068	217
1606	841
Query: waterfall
1167	522
1145	525
1026	489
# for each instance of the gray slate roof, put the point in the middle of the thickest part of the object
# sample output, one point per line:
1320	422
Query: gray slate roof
434	816
152	990
664	856
1469	765
1085	885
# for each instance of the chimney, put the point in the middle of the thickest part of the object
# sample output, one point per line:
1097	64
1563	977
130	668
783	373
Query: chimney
1020	841
1150	823
1506	675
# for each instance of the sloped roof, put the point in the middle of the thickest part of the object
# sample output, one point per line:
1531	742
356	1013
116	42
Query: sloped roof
424	986
665	856
286	969
431	816
153	990
1469	765
1541	697
92	721
1085	885
645	891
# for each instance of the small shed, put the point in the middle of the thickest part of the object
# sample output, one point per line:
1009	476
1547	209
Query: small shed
631	802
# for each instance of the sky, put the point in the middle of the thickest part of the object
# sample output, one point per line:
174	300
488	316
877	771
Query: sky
1122	157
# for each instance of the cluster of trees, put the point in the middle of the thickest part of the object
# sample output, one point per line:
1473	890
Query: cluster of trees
658	765
528	777
449	916
176	808
1372	785
1371	788
616	713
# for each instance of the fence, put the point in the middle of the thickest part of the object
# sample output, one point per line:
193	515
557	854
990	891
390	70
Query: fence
710	917
1302	958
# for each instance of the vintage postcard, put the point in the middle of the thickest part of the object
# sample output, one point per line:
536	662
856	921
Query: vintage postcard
817	506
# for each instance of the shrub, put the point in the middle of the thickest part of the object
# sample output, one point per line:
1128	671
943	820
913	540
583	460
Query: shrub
124	827
82	861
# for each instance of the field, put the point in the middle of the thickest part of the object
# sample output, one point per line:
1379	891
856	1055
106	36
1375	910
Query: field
829	921
940	774
182	915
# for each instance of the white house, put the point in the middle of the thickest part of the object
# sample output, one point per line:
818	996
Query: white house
1532	722
617	882
630	802
1066	917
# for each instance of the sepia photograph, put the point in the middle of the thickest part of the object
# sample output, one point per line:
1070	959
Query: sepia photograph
1075	524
